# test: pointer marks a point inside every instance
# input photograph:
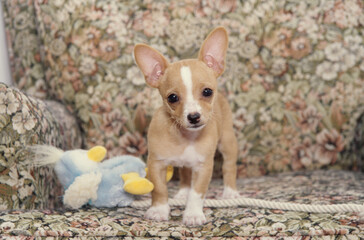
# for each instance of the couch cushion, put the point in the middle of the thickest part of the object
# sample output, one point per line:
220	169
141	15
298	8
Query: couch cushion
322	187
26	121
294	73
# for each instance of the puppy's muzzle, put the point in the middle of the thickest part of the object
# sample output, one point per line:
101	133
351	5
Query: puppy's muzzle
194	118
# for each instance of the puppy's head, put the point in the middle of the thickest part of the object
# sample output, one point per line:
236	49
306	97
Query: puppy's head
188	87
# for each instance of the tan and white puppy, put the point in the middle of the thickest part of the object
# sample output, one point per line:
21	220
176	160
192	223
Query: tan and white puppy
194	120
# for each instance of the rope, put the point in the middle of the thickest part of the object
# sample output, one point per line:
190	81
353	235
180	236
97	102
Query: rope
314	208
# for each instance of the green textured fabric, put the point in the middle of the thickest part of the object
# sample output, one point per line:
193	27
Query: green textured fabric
26	121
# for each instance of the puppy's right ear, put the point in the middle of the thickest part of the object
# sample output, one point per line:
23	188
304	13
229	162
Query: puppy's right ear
151	62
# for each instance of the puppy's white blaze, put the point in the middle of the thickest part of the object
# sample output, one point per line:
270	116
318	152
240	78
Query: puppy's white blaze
191	105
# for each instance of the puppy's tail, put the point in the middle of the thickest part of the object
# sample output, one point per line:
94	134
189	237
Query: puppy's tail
45	155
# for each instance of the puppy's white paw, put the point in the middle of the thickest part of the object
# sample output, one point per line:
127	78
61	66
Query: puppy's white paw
230	193
193	214
194	218
182	194
158	213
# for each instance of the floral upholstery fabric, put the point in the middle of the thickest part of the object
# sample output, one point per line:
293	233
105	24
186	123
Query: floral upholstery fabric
294	79
322	187
24	47
25	121
294	75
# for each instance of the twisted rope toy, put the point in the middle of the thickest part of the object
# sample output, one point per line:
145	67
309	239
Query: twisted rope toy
250	202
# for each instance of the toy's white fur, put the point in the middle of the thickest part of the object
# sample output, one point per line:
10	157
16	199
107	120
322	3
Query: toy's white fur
83	163
82	190
45	155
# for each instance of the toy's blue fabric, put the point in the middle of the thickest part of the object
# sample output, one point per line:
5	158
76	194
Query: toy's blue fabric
110	192
66	168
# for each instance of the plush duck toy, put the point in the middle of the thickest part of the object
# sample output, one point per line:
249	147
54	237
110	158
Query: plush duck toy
111	183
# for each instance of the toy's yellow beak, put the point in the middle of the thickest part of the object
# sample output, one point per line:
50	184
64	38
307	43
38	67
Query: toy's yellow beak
97	153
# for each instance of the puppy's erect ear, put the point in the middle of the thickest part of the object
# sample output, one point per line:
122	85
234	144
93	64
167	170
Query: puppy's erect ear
151	62
213	50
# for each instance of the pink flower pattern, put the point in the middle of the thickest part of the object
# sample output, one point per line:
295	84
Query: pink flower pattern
292	66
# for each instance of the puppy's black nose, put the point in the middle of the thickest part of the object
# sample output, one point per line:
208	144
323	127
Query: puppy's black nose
194	118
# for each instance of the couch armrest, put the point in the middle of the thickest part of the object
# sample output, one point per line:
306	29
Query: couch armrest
26	121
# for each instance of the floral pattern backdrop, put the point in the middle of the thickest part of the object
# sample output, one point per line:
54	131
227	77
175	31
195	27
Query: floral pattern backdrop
294	80
24	47
294	75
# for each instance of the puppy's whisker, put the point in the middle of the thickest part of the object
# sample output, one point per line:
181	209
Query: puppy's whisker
212	116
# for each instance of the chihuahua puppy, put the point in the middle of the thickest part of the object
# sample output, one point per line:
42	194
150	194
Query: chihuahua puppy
193	122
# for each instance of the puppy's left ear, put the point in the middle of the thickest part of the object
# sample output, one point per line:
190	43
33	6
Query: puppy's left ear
213	50
151	62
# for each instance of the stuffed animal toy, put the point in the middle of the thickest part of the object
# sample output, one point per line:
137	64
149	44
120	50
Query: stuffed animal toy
88	179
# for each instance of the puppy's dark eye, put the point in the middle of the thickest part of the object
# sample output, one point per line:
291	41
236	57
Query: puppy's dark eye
207	92
173	98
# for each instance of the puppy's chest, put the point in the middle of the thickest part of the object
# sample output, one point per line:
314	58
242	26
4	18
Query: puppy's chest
188	157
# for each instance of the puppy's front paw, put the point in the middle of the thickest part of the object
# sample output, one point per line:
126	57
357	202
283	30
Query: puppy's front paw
230	193
158	213
194	218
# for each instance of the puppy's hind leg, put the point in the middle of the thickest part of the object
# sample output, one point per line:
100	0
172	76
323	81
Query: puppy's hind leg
228	147
185	175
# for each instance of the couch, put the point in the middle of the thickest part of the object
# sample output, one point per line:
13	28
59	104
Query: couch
294	80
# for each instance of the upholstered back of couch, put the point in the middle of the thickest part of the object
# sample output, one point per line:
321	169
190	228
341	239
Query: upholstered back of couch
294	75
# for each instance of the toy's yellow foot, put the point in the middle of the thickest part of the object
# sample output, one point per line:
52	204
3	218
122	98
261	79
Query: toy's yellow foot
136	185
